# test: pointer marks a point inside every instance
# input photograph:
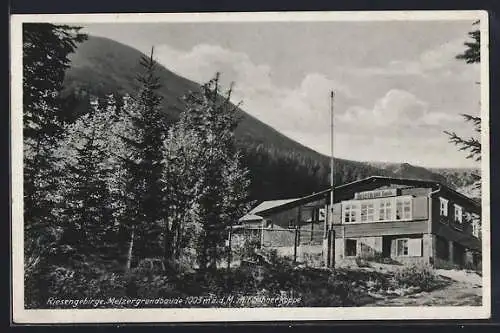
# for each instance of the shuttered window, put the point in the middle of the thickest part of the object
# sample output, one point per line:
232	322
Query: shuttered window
402	247
415	247
443	207
409	247
458	214
420	208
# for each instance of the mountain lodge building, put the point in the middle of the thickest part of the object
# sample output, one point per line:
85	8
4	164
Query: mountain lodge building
401	220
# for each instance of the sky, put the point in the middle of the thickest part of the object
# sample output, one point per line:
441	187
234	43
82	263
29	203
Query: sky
397	84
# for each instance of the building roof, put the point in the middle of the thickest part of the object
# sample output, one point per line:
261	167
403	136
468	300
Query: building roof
264	206
250	217
344	190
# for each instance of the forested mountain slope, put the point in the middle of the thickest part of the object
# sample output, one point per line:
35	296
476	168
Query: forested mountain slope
280	167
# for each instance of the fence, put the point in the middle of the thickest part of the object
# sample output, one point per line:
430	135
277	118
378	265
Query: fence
302	245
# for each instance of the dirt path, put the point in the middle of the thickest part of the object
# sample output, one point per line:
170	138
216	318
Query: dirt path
455	294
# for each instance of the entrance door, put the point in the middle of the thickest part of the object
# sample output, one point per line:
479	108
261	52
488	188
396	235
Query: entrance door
386	247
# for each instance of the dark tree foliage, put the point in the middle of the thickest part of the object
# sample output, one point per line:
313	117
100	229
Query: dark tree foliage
212	117
46	48
146	200
89	207
472	145
472	54
45	58
277	173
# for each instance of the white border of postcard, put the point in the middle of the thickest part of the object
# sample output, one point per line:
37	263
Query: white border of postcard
22	315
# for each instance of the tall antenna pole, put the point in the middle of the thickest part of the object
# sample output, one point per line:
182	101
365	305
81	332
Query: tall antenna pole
332	176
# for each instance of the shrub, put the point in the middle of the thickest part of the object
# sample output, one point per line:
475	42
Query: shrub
421	276
362	262
247	249
313	259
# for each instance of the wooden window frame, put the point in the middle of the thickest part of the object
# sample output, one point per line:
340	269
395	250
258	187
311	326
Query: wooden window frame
460	220
350	214
443	211
407	240
369	205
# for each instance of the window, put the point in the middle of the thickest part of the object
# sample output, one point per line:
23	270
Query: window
322	214
402	247
308	214
476	225
351	247
443	207
350	213
367	212
409	247
403	209
385	211
475	229
458	214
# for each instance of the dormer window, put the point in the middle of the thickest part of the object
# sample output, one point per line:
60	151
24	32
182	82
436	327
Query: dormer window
458	214
443	207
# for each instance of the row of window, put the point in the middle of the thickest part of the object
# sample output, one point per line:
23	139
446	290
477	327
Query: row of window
443	210
459	215
387	209
404	247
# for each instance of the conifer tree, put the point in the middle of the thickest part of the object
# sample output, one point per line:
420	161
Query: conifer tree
471	55
472	145
144	130
88	215
221	192
45	58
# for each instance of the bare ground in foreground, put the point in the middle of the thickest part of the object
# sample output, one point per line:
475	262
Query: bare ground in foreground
463	289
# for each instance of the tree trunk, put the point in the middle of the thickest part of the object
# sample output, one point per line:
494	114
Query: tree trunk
130	250
168	248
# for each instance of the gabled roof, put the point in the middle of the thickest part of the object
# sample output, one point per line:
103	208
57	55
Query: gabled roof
343	191
265	205
253	215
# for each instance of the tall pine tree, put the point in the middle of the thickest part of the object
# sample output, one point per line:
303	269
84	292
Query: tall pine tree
45	58
145	129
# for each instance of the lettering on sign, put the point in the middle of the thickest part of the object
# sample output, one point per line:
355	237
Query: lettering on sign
376	194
